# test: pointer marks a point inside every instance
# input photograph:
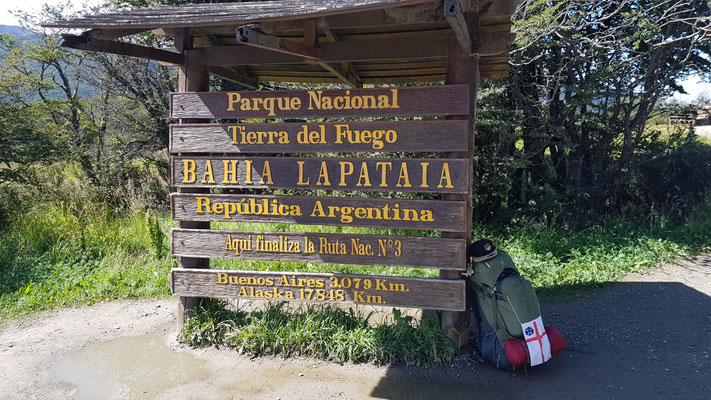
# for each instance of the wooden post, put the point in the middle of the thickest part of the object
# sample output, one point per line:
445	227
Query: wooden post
462	69
193	76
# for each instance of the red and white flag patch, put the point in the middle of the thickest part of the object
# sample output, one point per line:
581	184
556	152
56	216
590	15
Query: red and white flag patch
539	347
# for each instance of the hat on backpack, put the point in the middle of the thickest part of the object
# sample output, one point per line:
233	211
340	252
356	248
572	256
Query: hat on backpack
482	250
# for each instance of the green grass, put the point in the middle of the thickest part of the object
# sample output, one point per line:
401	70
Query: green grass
320	331
560	263
57	255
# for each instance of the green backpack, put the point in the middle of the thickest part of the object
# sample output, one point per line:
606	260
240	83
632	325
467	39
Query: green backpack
505	300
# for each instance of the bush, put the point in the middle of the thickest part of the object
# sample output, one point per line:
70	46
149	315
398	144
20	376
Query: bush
672	185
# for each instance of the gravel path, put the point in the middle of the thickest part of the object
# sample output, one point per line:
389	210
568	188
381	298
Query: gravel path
647	337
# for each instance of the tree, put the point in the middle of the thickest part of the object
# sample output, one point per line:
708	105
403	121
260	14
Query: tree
27	136
586	77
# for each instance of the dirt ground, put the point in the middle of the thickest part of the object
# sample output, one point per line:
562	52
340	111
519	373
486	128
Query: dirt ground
648	337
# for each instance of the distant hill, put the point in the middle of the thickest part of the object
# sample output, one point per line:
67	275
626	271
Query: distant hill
85	90
4	29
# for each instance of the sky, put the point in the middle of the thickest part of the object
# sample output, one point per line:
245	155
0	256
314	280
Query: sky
693	85
6	18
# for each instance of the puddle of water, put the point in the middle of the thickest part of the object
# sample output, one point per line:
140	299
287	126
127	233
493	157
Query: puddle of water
134	368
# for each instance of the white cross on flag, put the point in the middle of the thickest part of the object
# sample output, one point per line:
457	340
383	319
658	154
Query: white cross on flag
539	348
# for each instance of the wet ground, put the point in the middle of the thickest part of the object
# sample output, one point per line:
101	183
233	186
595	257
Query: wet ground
646	338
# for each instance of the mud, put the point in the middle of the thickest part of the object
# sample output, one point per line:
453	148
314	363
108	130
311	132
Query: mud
132	367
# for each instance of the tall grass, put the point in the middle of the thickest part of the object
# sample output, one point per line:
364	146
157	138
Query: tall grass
561	262
55	256
324	332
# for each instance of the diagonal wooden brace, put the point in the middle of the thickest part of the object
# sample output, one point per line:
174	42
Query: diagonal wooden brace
249	36
455	17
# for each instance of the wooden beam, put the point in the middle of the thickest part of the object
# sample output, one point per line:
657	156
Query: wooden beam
111	34
346	72
492	44
491	8
249	36
357	50
121	48
416	14
462	70
236	75
310	33
213	40
342	75
193	75
455	17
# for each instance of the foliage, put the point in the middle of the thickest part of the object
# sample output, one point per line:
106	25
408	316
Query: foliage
58	256
324	332
586	78
559	262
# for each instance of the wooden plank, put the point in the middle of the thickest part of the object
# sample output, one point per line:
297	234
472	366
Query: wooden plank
425	175
300	79
355	50
110	34
389	80
403	80
249	36
240	76
405	72
409	136
380	102
408	34
348	51
347	73
121	48
340	211
436	294
495	74
397	251
294	72
418	14
384	66
194	15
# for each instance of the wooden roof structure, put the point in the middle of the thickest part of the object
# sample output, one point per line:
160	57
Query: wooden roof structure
313	41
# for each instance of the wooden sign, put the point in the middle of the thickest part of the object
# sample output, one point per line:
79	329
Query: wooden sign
407	251
389	291
380	102
364	174
350	136
346	211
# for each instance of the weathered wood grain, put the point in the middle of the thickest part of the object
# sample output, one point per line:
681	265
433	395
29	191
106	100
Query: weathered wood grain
411	136
121	48
436	294
425	175
343	211
189	15
355	50
381	102
400	251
